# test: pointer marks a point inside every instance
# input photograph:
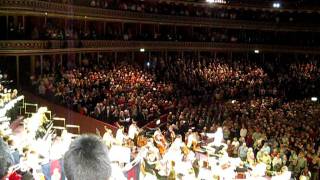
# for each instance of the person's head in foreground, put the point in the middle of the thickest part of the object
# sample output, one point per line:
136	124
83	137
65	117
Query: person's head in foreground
5	159
86	159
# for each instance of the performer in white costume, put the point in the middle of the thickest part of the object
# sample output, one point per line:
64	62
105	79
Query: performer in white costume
133	130
218	137
120	136
108	138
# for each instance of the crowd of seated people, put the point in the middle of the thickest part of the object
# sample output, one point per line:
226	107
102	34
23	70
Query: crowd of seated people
220	77
280	135
299	78
111	95
191	10
269	130
206	94
92	89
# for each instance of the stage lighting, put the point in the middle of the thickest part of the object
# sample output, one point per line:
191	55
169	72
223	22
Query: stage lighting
148	64
233	101
216	1
276	5
142	49
314	99
256	51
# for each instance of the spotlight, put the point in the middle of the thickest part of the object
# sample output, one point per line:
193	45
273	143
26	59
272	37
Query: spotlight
276	5
148	64
256	51
142	50
233	101
314	99
216	1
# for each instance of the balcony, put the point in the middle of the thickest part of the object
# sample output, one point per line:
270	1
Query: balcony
24	48
46	9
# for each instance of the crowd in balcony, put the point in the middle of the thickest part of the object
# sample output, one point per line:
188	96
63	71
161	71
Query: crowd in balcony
177	9
193	10
52	31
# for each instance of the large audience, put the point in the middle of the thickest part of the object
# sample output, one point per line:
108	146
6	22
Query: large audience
261	124
117	94
267	111
255	110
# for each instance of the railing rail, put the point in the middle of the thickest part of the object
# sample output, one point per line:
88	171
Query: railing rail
17	47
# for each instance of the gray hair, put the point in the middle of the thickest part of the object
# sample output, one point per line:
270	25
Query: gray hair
5	159
87	159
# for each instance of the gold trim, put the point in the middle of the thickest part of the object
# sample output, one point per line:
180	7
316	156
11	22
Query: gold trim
24	48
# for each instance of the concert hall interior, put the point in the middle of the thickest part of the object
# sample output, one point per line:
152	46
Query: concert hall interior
159	89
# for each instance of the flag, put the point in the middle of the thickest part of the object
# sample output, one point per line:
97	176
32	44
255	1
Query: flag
53	170
134	172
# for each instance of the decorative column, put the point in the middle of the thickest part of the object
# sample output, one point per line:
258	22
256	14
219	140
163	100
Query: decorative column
17	71
7	27
32	64
132	56
41	64
80	58
98	61
166	55
115	57
61	59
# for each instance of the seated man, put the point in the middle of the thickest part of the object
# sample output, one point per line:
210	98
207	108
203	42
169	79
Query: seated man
87	158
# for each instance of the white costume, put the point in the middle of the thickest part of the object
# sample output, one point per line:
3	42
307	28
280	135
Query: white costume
120	136
108	138
133	131
191	139
174	152
116	172
218	137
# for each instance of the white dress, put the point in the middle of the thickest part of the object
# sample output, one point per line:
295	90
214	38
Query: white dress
119	136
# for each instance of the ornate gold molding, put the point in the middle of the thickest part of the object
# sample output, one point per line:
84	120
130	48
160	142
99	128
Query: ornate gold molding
13	48
23	44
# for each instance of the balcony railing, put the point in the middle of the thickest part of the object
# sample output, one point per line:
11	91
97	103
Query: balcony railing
12	48
10	45
39	8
